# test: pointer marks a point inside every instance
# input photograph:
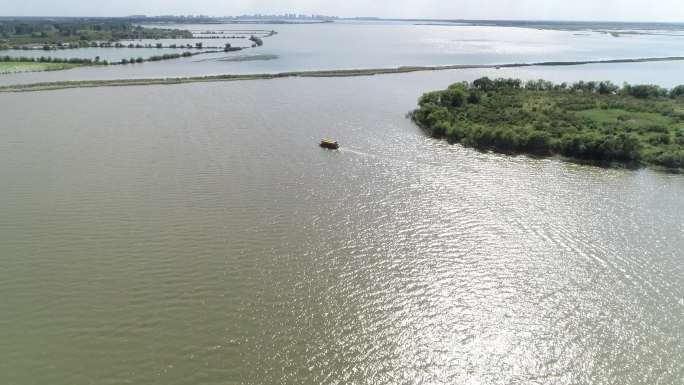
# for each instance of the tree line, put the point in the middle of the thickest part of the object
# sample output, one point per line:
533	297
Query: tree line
643	91
95	61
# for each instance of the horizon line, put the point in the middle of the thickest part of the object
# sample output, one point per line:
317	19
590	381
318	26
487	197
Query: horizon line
377	18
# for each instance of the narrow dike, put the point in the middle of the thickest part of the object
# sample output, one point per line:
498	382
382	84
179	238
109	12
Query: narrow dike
323	74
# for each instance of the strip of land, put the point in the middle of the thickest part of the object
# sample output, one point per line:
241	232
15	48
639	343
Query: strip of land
16	67
323	74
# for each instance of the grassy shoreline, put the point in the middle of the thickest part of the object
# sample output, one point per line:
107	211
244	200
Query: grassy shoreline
46	86
589	122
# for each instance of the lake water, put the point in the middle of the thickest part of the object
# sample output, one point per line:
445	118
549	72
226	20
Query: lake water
347	45
197	234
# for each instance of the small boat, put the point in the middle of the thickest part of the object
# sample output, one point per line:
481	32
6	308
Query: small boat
330	144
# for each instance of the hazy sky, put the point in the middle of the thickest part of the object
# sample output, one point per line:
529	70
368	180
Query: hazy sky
647	10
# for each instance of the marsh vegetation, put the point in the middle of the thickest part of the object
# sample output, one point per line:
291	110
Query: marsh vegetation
77	32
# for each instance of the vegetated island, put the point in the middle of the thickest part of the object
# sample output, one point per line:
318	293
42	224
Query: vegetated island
632	125
52	34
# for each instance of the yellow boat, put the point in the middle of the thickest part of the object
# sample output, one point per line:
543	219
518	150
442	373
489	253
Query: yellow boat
330	144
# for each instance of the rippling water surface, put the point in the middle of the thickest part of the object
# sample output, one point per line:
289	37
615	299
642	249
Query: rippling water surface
196	234
350	45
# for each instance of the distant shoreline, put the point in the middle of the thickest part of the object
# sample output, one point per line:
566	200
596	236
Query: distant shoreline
59	85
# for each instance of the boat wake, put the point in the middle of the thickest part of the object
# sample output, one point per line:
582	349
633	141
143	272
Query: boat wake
357	152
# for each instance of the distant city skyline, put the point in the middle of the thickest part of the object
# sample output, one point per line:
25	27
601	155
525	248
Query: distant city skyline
590	10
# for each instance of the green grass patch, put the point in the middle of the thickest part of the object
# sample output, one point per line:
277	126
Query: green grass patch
600	122
14	67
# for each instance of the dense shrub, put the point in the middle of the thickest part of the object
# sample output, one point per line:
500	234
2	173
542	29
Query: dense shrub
453	97
677	91
644	91
672	158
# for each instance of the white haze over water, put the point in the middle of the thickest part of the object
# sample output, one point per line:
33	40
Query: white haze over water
605	10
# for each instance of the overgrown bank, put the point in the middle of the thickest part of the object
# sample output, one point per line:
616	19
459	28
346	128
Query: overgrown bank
593	121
